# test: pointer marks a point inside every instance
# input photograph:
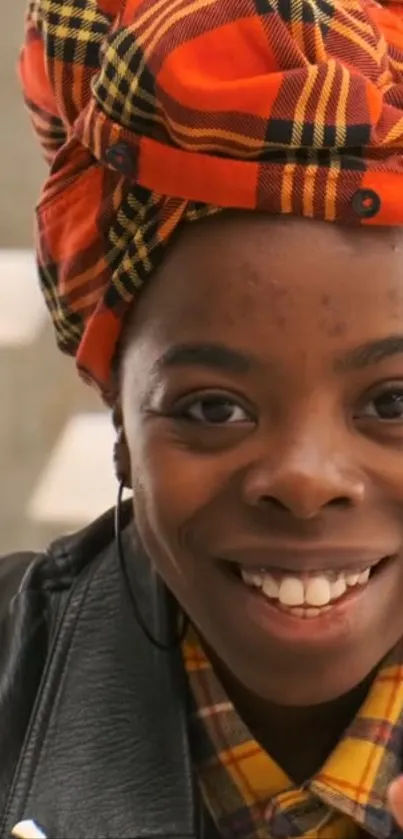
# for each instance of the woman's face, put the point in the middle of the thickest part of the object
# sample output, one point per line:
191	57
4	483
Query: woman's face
262	394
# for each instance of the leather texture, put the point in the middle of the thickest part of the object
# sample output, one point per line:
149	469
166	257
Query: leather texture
94	720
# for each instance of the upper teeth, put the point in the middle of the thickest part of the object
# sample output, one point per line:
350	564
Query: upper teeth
312	590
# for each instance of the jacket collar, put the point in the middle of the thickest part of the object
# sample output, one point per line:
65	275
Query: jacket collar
107	753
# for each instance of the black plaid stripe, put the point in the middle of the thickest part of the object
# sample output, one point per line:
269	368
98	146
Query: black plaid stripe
50	130
68	325
319	13
73	30
117	93
145	249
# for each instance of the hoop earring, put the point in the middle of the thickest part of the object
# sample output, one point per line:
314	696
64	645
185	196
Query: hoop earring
177	640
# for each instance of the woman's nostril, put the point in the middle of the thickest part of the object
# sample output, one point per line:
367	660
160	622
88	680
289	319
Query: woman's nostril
274	502
304	505
342	502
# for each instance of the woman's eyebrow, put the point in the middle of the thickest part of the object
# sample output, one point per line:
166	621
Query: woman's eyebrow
216	356
213	355
372	352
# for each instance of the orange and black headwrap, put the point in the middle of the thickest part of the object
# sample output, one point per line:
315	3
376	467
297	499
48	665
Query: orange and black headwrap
155	112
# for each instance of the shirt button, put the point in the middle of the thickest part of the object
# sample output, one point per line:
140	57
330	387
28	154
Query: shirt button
307	816
121	158
281	826
366	203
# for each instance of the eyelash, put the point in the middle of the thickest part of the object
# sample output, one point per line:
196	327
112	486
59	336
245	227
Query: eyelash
179	411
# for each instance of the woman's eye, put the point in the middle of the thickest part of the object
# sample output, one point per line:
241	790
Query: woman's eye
386	406
215	410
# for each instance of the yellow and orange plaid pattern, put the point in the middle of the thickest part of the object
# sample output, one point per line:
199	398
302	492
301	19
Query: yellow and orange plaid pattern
250	797
152	112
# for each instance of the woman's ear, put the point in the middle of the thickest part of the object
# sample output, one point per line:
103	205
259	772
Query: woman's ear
121	457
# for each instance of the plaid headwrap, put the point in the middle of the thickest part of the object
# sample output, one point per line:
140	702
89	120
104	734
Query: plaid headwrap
250	797
152	112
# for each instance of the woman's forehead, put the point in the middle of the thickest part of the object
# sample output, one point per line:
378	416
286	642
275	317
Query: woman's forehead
235	271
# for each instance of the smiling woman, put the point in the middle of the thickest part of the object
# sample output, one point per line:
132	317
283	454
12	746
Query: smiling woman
222	655
279	412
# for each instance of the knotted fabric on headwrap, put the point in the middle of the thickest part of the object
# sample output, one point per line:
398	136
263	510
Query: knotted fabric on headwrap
153	112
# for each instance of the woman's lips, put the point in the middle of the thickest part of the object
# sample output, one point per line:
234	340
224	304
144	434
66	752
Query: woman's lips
302	590
306	624
313	560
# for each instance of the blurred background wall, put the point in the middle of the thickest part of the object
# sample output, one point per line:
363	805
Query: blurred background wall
55	439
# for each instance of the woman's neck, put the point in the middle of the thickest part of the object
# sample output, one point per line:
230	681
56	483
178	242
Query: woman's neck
299	739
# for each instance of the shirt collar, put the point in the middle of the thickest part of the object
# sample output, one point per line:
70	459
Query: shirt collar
239	779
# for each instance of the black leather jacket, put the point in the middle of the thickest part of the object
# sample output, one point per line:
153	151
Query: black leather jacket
93	719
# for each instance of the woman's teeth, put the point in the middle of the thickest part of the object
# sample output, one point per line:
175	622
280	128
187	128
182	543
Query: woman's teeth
306	596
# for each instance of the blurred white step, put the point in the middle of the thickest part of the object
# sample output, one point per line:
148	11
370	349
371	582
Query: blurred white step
78	482
22	310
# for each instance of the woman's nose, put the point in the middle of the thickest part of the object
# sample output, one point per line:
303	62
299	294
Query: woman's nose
303	479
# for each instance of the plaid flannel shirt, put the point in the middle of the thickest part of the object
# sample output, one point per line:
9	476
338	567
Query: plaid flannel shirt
250	797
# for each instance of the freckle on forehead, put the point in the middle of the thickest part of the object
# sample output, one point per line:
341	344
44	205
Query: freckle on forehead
337	329
280	297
